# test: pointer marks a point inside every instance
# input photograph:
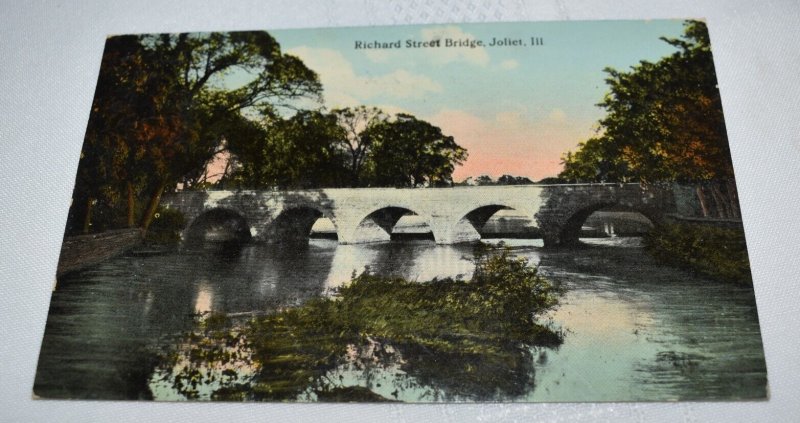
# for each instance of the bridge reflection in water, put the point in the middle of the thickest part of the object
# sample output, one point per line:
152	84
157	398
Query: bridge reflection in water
662	332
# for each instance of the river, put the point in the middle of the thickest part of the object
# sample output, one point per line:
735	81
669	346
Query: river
635	330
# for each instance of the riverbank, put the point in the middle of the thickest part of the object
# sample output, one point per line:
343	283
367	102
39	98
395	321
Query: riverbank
82	251
712	251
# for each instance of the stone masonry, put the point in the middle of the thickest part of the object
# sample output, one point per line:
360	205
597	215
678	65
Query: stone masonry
368	214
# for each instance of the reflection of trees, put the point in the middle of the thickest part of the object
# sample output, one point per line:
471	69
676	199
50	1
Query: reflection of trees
458	340
101	324
704	334
457	376
261	277
303	363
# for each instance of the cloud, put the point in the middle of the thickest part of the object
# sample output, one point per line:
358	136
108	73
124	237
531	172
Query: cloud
377	56
444	55
344	87
509	64
402	84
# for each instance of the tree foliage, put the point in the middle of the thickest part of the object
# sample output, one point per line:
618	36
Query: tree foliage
162	107
486	180
356	123
167	104
718	253
462	339
359	147
295	153
408	152
663	122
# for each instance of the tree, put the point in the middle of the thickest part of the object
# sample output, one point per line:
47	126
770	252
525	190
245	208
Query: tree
663	123
106	170
408	152
484	180
356	122
513	180
598	159
349	147
163	106
552	180
300	152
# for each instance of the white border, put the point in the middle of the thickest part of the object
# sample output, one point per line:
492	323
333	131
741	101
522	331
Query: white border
49	57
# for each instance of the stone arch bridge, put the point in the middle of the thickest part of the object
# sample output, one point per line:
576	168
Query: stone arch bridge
453	214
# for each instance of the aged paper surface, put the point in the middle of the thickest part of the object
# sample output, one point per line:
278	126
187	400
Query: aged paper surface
534	212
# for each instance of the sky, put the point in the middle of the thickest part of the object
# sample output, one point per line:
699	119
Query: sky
516	109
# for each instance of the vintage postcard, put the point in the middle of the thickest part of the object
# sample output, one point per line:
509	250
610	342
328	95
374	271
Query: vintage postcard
527	212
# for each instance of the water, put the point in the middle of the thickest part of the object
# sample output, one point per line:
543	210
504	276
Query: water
634	330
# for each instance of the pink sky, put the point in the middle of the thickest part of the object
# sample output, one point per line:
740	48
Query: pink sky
516	110
511	143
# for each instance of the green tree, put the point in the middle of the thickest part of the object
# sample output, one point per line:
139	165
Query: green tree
663	122
551	180
347	147
513	180
408	152
300	152
598	159
484	180
163	106
356	122
106	171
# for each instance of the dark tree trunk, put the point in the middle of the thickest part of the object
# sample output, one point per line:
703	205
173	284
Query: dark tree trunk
701	197
152	206
354	175
87	219
131	206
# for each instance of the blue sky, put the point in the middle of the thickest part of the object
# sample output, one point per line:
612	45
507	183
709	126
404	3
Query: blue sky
515	108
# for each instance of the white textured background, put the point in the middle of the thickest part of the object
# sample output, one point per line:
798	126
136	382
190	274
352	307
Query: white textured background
49	58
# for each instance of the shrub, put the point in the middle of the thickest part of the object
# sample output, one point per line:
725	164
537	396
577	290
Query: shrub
166	227
718	253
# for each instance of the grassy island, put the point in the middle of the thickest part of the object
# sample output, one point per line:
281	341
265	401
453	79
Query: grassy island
460	340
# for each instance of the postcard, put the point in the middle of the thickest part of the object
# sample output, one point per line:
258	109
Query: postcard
496	212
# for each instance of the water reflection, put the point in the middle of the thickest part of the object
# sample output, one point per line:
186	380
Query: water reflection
440	340
348	260
204	296
412	260
636	330
643	332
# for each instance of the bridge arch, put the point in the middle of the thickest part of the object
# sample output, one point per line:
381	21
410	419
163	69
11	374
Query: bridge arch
556	208
569	231
467	223
480	215
217	225
378	224
468	226
293	224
